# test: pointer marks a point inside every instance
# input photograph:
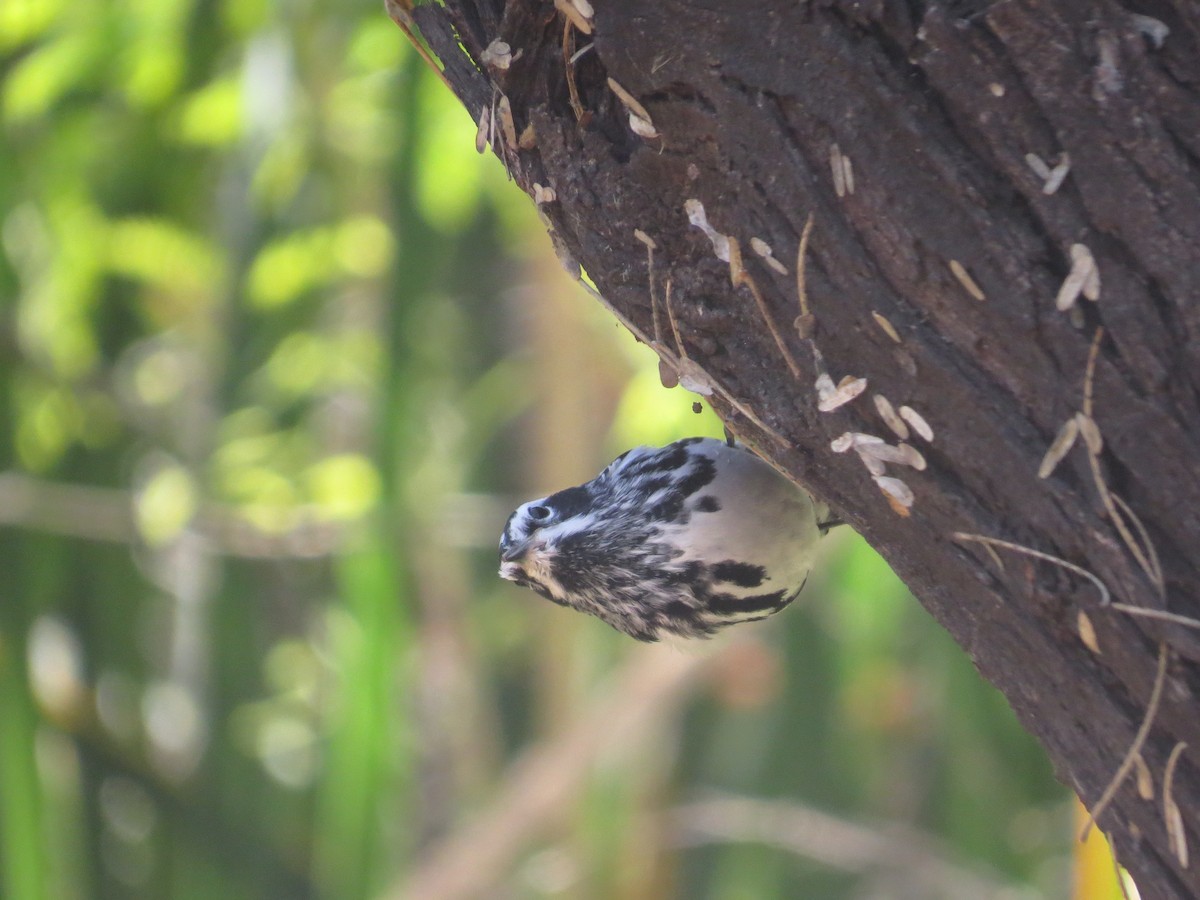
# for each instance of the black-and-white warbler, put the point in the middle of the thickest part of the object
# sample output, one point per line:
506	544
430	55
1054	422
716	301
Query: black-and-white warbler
683	539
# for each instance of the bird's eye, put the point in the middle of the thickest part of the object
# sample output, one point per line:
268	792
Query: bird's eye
539	513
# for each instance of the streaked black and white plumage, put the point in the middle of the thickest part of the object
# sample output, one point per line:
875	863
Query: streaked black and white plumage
678	540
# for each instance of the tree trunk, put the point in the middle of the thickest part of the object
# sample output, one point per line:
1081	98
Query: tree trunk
935	261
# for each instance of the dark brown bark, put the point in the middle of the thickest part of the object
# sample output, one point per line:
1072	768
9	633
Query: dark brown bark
937	106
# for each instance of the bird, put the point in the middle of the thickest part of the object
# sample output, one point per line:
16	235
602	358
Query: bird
681	540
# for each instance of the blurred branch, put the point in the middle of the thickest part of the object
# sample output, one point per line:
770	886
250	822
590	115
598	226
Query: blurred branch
899	850
106	514
541	783
98	514
234	845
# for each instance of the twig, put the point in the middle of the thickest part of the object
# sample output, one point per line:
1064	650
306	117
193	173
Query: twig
1135	748
674	324
1176	835
1118	522
1084	423
830	840
801	258
740	277
650	246
568	41
1155	572
1105	597
538	785
620	317
664	353
687	365
106	514
1117	872
1162	614
400	12
1090	371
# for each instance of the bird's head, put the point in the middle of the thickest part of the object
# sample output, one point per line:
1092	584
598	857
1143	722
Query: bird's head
529	544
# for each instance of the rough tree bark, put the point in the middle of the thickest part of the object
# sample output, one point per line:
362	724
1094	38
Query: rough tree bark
936	105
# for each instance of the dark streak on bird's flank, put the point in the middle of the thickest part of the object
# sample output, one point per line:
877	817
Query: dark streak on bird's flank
730	605
669	462
670	508
657	483
708	504
706	471
744	575
679	610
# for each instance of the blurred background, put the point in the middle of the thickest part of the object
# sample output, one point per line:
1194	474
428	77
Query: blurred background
278	354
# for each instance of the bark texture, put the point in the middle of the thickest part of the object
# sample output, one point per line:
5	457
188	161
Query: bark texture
936	105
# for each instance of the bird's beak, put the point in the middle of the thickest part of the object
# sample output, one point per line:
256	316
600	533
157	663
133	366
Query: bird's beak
514	551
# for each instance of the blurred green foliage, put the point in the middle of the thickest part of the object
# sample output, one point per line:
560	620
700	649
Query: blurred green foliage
278	352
